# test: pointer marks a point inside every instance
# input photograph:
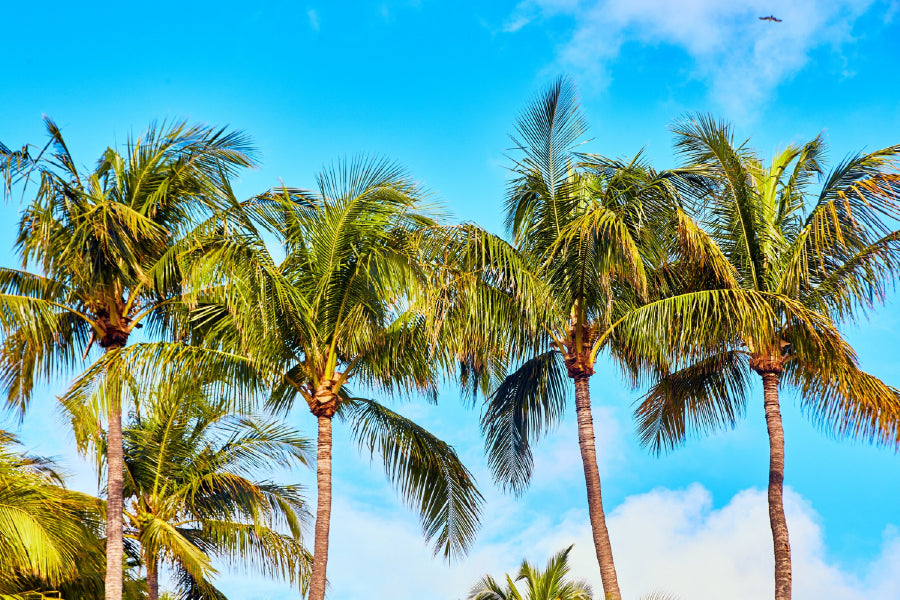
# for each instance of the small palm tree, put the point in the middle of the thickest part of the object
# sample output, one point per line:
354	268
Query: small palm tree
193	491
551	583
802	258
343	308
103	241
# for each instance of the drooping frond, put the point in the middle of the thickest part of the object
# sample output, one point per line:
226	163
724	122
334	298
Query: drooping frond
426	472
527	404
41	339
846	401
705	396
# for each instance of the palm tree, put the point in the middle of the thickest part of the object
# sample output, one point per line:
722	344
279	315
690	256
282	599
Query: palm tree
193	491
50	544
803	257
551	583
344	306
42	525
103	241
586	229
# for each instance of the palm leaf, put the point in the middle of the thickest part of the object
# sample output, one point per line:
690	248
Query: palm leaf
426	472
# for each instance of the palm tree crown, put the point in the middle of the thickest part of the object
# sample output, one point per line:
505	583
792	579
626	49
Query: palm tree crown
343	307
103	241
588	232
106	244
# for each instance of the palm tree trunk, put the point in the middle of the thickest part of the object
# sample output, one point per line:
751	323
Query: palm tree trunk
152	578
592	479
114	484
777	519
323	510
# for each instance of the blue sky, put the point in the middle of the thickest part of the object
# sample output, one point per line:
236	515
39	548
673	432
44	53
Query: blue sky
437	86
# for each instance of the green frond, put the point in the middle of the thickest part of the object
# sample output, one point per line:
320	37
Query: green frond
739	226
157	535
526	405
701	251
261	549
426	472
43	526
604	228
547	132
550	583
705	396
160	363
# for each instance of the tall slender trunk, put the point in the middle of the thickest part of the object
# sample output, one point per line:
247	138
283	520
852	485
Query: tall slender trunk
592	479
152	578
776	487
114	484
323	510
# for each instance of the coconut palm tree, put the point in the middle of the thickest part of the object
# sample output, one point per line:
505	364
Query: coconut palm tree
587	230
102	241
804	256
550	583
50	544
344	307
194	491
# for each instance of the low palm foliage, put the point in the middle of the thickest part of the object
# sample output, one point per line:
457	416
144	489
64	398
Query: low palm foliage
50	544
42	525
533	583
194	491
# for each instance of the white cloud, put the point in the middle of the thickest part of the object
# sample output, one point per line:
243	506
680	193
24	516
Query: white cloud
665	540
742	58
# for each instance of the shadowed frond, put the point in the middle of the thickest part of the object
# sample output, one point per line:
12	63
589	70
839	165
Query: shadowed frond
704	396
426	472
527	404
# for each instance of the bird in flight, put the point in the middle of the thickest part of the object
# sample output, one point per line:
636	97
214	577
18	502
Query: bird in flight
770	18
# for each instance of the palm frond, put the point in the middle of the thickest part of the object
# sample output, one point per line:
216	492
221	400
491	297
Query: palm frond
426	472
527	404
707	395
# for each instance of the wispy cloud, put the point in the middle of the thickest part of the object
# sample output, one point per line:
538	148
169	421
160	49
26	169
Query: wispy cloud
313	19
742	58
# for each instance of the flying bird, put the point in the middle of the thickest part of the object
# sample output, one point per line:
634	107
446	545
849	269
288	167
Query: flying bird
770	18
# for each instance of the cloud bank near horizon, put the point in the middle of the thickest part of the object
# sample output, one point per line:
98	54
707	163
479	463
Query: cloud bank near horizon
672	541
